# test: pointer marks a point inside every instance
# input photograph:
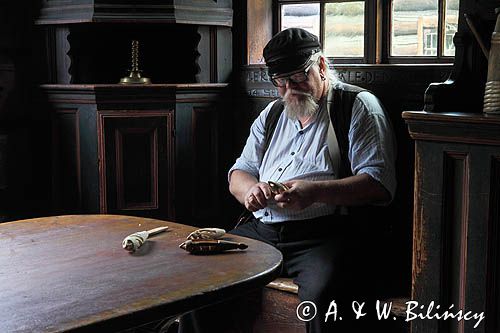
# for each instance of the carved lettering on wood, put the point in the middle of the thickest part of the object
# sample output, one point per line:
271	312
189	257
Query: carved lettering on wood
263	92
258	76
366	77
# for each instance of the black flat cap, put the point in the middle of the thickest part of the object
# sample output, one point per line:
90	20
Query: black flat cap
290	50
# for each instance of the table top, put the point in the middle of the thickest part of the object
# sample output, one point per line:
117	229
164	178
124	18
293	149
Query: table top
70	273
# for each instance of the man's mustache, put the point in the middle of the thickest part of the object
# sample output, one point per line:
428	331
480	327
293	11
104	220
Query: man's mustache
297	92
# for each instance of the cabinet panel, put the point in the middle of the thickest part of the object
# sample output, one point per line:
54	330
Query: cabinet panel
455	236
152	150
66	172
205	162
136	150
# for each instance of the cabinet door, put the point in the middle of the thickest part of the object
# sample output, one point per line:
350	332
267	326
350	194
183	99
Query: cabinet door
136	152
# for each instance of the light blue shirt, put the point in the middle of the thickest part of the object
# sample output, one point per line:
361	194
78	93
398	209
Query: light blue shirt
302	153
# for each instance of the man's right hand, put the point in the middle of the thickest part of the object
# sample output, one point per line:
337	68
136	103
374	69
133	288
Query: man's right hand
257	196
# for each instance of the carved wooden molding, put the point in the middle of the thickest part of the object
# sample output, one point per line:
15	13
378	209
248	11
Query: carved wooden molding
454	127
58	53
116	96
202	12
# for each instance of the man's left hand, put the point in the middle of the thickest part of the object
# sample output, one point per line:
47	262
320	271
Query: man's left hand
300	194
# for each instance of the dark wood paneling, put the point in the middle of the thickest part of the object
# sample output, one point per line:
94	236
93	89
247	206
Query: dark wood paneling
493	268
66	172
427	231
454	235
137	142
134	147
136	152
58	54
278	313
205	162
3	161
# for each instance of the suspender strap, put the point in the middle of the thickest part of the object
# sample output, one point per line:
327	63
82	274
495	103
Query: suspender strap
331	139
341	100
271	122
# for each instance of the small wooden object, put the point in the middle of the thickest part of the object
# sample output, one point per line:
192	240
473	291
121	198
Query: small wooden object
207	233
210	246
134	241
277	188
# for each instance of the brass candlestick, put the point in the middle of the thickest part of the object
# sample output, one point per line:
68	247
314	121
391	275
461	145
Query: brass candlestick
134	76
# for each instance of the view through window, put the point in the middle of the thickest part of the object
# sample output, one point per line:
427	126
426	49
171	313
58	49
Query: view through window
414	26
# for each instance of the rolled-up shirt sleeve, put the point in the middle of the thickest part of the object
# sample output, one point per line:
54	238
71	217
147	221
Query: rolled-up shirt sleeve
372	147
251	157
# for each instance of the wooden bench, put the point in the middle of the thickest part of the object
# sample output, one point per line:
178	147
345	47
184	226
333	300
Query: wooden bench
279	303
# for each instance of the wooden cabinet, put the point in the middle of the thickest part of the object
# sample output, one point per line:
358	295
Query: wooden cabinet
149	150
456	220
139	150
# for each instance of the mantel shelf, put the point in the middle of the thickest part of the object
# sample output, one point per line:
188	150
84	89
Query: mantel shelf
138	96
473	128
454	117
154	86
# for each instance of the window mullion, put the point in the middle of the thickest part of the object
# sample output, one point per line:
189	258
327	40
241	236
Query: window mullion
371	32
441	28
322	23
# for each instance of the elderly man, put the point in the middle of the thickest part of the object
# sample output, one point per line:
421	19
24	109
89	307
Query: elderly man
332	148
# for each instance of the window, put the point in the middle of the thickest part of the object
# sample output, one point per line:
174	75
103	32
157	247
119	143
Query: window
350	31
417	31
340	25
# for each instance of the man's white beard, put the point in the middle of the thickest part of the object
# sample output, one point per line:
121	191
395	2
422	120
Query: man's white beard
299	107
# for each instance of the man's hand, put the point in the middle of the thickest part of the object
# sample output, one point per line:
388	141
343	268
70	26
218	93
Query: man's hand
301	194
257	196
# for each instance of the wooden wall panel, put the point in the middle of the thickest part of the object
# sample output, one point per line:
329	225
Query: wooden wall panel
136	152
427	231
66	171
205	162
493	268
454	237
134	148
457	186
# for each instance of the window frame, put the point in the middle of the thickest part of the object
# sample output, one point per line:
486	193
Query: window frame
378	21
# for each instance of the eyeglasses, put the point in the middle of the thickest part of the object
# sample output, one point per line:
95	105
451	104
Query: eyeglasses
296	77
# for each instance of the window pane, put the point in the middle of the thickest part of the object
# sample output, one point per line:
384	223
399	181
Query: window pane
414	27
344	29
451	25
305	16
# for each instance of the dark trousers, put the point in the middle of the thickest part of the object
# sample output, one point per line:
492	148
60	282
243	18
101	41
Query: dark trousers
323	256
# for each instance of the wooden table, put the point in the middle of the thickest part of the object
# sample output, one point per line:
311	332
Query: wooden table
70	273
